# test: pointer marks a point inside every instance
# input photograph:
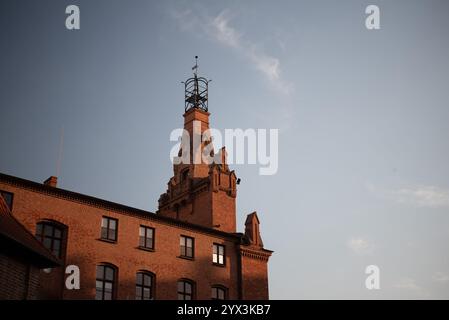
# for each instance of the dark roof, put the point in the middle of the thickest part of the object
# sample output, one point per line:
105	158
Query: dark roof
20	241
120	208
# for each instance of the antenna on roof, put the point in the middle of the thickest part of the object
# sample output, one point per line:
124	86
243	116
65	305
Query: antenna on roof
61	143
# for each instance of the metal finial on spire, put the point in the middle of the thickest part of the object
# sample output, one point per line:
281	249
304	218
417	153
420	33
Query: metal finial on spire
195	67
196	90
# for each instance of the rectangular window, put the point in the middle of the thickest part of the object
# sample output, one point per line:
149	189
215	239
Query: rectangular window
8	198
109	229
186	246
218	255
146	237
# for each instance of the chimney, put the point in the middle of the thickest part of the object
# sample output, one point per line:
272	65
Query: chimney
52	181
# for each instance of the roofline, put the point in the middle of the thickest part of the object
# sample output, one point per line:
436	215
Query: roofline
117	207
45	258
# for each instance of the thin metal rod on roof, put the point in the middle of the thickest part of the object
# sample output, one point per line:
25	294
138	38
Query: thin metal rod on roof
61	144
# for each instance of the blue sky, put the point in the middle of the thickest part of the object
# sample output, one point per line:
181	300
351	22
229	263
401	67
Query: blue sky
362	116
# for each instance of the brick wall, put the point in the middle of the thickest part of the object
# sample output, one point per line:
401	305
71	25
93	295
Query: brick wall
18	279
254	277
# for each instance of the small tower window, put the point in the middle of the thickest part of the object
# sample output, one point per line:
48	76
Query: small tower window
184	175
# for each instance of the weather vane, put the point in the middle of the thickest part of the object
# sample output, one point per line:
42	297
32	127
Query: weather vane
195	67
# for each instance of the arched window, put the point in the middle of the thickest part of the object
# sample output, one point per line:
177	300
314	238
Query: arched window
106	282
51	236
145	285
186	289
219	292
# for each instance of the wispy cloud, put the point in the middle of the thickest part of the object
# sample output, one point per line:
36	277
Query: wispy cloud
409	284
223	33
219	29
440	277
423	196
359	245
420	196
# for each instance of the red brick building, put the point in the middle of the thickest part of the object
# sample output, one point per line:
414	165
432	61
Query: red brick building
189	249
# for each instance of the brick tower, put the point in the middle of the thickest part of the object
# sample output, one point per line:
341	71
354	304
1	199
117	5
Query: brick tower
203	192
200	192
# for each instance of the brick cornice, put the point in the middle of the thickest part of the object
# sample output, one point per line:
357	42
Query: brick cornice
260	254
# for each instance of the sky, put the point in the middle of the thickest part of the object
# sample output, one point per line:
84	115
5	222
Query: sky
363	116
